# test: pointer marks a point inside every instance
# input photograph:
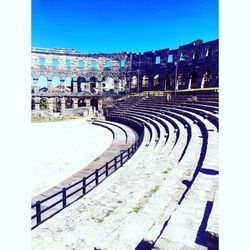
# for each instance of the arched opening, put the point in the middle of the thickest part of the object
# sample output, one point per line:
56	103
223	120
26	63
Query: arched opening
156	82
42	82
108	84
145	82
121	84
193	80
32	104
81	84
43	103
67	84
133	83
94	103
180	81
92	84
56	87
68	103
206	79
81	103
169	82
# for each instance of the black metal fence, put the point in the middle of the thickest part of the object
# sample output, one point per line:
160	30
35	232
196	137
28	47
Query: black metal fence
46	208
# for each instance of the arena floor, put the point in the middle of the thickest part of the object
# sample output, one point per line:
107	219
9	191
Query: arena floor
59	149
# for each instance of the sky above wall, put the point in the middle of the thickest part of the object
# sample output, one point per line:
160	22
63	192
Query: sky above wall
122	25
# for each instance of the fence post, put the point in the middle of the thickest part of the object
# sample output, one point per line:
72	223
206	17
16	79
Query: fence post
84	185
121	160
96	177
115	163
128	153
38	210
107	169
64	197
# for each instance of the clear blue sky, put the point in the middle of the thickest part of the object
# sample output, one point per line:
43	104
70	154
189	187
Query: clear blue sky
122	25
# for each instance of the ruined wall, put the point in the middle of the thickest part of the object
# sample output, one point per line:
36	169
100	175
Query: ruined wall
191	66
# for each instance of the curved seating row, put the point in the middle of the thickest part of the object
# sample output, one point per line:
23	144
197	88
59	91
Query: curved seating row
159	198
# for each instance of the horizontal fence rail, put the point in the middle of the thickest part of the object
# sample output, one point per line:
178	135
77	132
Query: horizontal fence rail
46	208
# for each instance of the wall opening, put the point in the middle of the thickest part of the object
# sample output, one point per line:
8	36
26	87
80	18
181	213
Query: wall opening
170	58
68	63
122	63
41	61
93	64
42	80
108	64
157	60
55	62
81	64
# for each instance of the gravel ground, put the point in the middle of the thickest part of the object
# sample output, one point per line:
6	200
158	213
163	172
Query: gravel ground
62	148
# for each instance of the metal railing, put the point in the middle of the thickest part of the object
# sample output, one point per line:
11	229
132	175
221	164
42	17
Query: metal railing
68	195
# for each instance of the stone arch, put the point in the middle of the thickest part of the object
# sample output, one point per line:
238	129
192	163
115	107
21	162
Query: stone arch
69	103
145	81
134	83
55	82
81	84
68	84
108	83
42	81
92	84
122	84
180	81
206	79
157	82
43	103
81	102
169	80
192	80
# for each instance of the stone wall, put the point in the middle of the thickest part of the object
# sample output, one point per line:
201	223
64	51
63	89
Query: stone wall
188	67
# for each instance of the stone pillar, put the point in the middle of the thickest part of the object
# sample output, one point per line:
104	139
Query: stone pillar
62	85
162	84
74	83
49	85
36	85
37	103
50	104
100	103
62	105
87	102
75	103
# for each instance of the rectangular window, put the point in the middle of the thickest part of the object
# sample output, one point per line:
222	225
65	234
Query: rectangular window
123	63
55	62
108	64
93	63
157	60
68	63
170	58
81	63
41	61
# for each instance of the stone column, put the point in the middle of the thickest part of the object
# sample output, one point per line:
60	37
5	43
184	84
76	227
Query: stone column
50	104
49	85
75	103
37	103
36	85
87	102
74	83
62	105
62	85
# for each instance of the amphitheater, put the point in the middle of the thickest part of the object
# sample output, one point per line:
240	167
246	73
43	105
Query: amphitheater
153	182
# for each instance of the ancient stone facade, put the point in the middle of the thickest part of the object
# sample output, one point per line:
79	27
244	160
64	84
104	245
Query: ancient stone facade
70	74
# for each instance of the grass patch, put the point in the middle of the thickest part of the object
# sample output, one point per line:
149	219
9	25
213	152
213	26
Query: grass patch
136	209
109	213
99	221
155	189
